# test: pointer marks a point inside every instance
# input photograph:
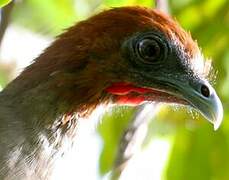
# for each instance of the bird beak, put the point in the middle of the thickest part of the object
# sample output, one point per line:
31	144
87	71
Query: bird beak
202	97
197	93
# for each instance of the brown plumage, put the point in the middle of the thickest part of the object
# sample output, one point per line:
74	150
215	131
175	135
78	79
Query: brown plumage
123	55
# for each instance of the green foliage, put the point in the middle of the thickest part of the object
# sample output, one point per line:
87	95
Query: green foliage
115	3
47	17
50	17
4	2
198	154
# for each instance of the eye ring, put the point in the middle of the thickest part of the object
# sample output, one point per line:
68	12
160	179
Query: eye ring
159	44
151	49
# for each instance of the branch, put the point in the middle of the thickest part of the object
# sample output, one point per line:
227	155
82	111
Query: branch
133	137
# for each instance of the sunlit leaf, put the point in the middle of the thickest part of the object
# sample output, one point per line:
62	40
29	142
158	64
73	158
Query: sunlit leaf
4	2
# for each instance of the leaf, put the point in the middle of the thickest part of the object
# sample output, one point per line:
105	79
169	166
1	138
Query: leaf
4	2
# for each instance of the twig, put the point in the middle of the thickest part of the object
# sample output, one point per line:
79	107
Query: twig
162	5
133	137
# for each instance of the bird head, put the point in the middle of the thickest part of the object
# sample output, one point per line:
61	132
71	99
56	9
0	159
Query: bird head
128	55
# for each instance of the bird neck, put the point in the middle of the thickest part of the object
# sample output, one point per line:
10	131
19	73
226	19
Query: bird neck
40	109
42	94
37	126
38	120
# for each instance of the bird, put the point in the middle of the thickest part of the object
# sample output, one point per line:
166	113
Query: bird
124	56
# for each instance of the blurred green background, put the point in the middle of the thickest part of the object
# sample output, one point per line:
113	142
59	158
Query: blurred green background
196	152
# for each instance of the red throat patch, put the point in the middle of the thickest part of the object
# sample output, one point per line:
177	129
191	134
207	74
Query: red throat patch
123	88
129	94
123	92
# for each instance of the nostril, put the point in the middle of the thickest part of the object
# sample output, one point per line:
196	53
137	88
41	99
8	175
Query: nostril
205	91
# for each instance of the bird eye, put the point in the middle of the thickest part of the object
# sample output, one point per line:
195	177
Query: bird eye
150	50
145	49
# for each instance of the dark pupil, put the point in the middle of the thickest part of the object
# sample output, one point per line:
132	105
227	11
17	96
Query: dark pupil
149	49
205	91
